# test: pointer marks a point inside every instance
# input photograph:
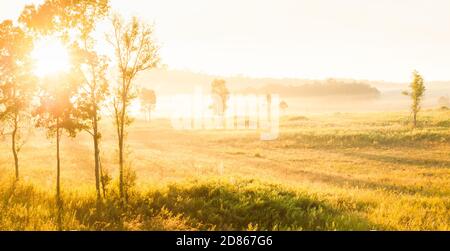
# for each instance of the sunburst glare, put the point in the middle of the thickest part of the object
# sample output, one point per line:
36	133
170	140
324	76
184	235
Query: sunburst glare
50	56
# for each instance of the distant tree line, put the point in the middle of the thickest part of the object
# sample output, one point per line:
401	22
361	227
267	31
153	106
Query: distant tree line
330	87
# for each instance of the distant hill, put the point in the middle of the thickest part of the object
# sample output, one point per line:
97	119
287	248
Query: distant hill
175	81
332	88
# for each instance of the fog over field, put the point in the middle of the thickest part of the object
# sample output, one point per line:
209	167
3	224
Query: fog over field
349	95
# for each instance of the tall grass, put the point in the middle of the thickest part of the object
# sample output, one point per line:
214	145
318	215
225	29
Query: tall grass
209	205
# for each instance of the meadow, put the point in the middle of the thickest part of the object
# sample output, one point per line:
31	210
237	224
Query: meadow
335	171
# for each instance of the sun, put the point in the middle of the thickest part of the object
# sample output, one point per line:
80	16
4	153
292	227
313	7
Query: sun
50	56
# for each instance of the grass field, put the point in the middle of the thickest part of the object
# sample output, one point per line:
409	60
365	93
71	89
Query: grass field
338	171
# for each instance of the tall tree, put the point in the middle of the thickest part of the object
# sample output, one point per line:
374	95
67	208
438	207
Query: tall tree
16	84
416	94
56	112
89	101
94	89
136	51
78	18
148	102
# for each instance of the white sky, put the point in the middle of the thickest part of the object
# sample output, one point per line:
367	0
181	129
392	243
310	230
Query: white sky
380	40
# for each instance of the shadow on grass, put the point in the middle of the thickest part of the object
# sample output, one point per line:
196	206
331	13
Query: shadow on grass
250	204
193	205
346	182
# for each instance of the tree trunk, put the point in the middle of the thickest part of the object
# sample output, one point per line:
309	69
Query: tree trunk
95	128
121	141
97	158
121	189
58	170
415	119
14	150
58	177
102	182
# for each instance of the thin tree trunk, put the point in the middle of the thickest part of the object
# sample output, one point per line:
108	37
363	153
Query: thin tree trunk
97	159
121	189
121	153
95	129
58	178
58	167
121	143
14	150
102	182
415	119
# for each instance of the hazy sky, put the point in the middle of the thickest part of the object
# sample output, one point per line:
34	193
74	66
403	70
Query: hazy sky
381	39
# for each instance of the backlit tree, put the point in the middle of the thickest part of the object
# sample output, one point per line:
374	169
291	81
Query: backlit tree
135	51
416	93
16	85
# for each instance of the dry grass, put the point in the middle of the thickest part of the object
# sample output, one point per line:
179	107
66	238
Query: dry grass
336	171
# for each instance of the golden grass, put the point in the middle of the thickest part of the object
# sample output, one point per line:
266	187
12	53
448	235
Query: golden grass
336	171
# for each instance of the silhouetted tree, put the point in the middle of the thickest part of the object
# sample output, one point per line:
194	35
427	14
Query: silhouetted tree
94	89
56	113
220	90
148	102
89	101
135	52
416	94
79	18
16	84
